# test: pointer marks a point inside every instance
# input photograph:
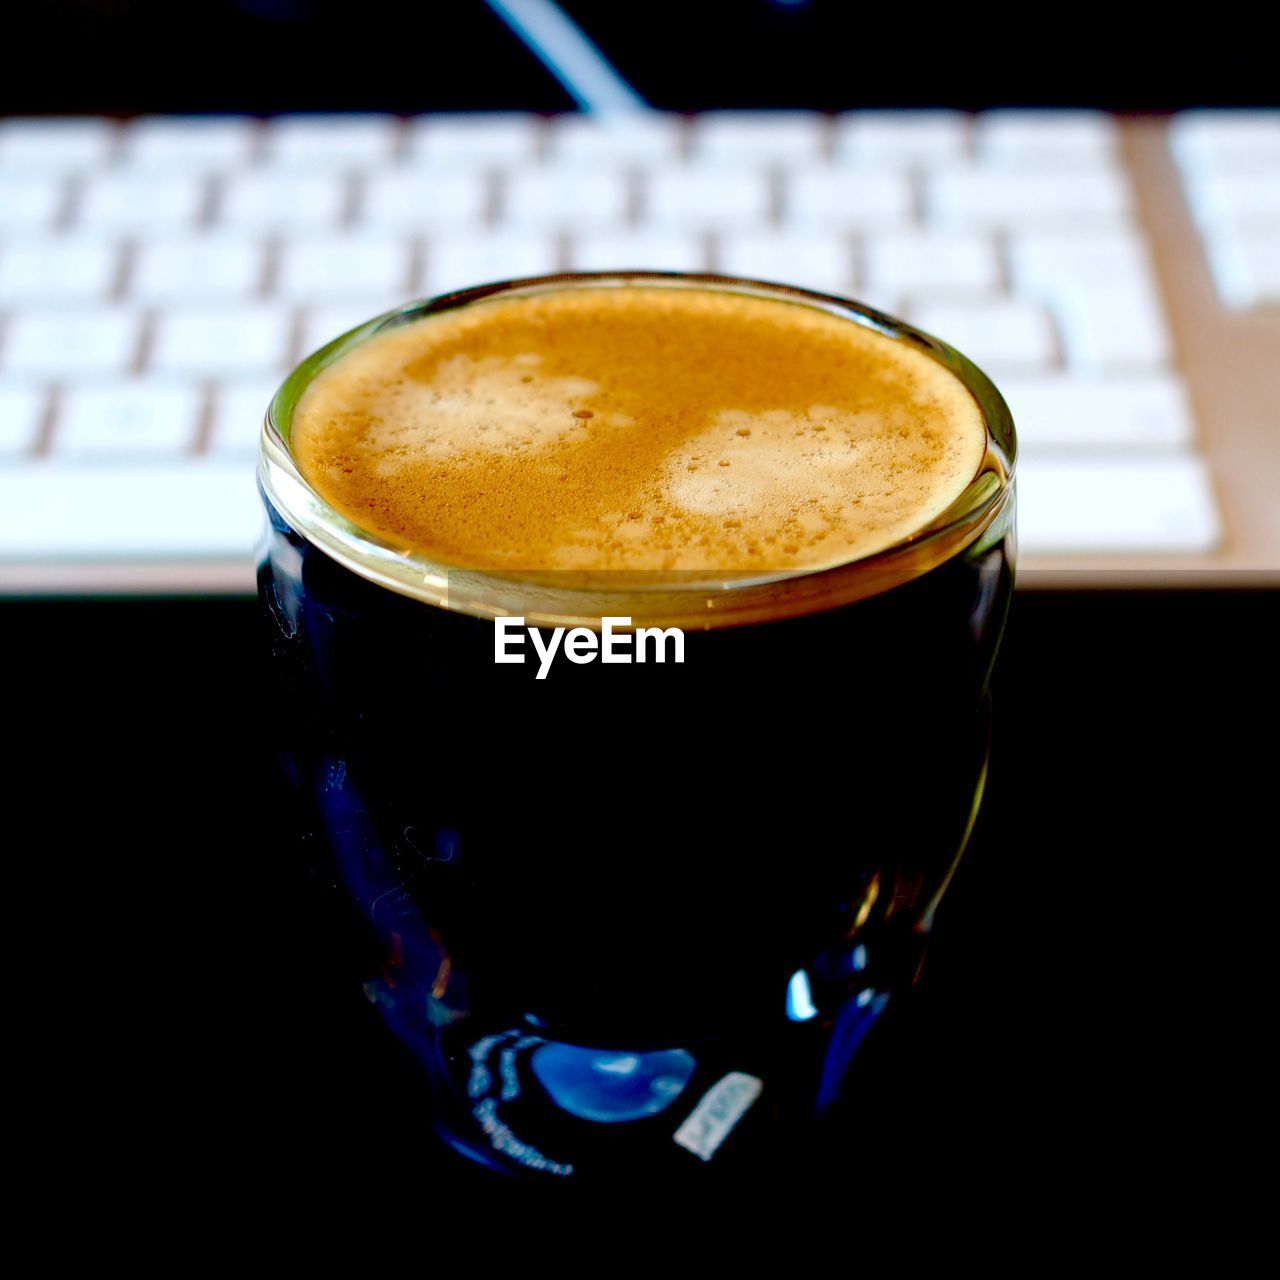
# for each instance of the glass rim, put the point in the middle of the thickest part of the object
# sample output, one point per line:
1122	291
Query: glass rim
708	597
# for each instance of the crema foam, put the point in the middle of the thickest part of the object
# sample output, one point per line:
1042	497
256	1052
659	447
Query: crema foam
650	428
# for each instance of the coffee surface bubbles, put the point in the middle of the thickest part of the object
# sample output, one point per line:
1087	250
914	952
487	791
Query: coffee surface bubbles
641	428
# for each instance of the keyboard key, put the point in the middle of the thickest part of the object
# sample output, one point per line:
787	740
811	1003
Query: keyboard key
457	262
30	202
914	261
482	140
1246	269
128	420
21	413
635	138
1222	139
320	325
757	137
1240	200
1231	169
992	196
1113	327
55	144
1000	334
142	202
1047	264
333	141
812	262
637	251
201	144
218	268
838	199
322	268
1122	506
111	511
284	202
56	269
1057	412
71	344
403	201
901	139
238	411
213	341
1033	138
700	199
542	199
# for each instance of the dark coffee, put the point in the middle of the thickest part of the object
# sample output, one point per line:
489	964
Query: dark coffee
638	920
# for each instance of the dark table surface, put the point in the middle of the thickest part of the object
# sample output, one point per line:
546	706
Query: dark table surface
1093	1013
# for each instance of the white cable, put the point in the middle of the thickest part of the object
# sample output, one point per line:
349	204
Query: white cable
569	55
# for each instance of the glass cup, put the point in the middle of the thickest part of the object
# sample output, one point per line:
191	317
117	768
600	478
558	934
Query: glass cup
635	920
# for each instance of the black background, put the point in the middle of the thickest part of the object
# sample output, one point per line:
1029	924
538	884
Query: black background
125	56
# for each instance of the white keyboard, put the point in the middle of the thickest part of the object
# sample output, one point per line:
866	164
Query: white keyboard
158	278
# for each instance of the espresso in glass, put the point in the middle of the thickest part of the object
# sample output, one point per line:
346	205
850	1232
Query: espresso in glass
632	642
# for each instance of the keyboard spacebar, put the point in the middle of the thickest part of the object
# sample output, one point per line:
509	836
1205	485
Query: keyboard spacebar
193	510
1159	504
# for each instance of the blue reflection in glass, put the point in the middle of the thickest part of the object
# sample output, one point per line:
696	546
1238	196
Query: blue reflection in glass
856	1017
610	1087
800	1006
